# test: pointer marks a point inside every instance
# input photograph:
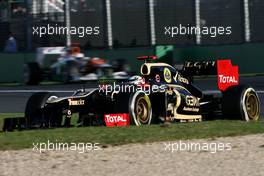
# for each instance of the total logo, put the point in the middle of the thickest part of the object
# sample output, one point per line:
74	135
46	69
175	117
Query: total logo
228	74
116	119
227	79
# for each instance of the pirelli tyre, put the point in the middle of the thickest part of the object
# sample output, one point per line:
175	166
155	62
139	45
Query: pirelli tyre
37	116
32	73
241	102
140	109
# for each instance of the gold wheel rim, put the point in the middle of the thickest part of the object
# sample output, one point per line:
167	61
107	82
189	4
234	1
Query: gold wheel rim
141	111
252	106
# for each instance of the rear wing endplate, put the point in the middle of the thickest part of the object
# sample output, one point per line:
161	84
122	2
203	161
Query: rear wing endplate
227	74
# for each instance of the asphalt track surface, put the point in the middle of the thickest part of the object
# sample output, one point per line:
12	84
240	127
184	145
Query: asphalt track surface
14	98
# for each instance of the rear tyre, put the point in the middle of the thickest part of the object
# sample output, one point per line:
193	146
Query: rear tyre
140	109
35	113
241	102
32	73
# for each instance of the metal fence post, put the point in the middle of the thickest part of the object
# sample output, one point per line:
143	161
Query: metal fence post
246	21
28	26
198	21
152	22
109	24
68	21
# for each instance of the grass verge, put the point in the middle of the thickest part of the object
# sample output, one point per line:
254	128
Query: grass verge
124	135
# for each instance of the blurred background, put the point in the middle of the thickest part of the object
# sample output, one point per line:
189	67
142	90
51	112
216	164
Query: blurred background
130	28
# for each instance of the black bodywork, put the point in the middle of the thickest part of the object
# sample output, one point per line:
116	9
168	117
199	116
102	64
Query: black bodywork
161	94
174	96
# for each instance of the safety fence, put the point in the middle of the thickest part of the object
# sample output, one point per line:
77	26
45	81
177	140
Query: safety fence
133	23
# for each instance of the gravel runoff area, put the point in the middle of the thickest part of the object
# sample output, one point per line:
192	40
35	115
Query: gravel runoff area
246	157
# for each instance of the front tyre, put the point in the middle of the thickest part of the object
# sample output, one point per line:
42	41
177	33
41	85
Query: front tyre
140	109
241	102
35	113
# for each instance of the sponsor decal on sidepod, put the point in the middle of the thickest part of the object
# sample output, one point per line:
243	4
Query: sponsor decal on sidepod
117	120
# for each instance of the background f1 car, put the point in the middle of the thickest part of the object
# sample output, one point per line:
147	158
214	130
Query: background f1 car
69	65
170	96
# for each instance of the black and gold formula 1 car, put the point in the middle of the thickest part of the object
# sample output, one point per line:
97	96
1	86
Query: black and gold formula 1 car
160	94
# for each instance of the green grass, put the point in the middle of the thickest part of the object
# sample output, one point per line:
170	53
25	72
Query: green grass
124	135
7	115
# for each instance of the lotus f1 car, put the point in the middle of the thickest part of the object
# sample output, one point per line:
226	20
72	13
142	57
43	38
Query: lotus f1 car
160	94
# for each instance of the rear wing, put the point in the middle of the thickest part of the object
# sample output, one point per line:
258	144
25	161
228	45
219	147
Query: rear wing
227	74
199	68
